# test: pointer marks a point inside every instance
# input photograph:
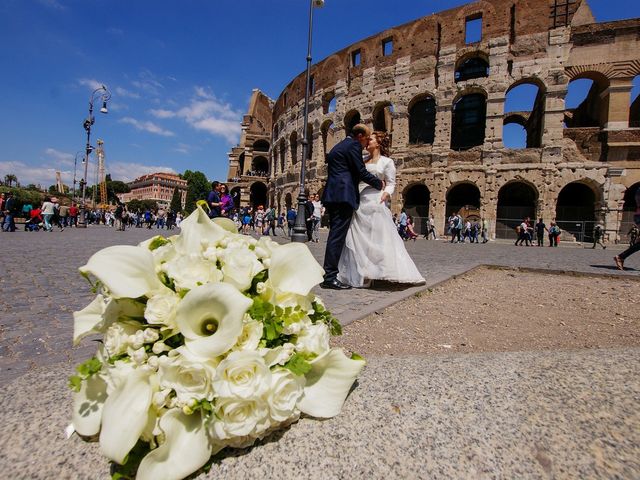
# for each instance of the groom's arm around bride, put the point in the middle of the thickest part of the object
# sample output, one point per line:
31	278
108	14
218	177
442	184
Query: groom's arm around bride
345	169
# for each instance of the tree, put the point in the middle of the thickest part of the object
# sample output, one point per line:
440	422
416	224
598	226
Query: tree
141	205
9	179
176	201
198	188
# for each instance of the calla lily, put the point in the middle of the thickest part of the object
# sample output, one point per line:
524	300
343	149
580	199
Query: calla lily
126	271
186	449
125	415
88	404
293	269
328	383
101	313
196	229
210	318
226	223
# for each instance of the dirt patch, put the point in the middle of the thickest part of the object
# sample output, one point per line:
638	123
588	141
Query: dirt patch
495	310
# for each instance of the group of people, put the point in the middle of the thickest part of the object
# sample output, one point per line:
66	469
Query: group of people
47	215
471	229
526	230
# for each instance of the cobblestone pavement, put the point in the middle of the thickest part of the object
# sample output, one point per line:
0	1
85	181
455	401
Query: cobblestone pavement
41	287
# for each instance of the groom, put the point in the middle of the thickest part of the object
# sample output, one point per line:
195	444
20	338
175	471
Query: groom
341	197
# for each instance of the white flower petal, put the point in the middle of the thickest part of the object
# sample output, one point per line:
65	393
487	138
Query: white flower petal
88	404
293	269
88	318
226	223
126	271
125	415
196	229
217	304
328	383
186	448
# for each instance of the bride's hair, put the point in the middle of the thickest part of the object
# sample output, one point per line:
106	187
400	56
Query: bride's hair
384	142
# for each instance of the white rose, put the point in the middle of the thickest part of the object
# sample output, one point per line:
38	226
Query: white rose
278	355
237	417
161	309
250	336
117	337
296	327
239	266
242	374
191	380
313	339
189	271
286	390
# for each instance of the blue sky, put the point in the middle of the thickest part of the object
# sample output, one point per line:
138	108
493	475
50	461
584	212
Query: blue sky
180	72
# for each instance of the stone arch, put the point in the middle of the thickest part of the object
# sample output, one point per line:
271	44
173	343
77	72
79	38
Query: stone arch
531	110
460	195
260	166
422	119
383	117
469	116
309	141
517	199
417	198
258	194
586	90
351	119
288	202
576	208
629	208
282	151
241	164
293	147
472	65
329	102
328	136
261	146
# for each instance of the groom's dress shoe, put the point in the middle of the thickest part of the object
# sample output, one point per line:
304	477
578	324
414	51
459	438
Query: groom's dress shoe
335	284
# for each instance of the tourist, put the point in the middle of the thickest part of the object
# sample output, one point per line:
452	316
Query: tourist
64	215
485	230
213	200
9	209
226	201
540	229
619	259
402	224
281	220
47	213
410	232
318	211
554	234
598	234
258	219
291	219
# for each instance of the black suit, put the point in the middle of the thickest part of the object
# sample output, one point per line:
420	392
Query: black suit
341	197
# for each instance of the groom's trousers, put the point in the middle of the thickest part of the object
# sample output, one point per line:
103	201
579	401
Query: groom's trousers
340	215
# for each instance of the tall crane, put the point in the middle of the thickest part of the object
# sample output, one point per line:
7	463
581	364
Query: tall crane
59	184
102	178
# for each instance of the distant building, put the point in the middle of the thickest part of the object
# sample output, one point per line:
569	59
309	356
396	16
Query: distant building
156	186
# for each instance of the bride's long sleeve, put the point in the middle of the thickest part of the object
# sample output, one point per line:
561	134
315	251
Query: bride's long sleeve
390	176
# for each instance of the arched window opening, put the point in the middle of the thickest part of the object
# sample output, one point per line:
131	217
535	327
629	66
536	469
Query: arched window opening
575	210
260	146
465	197
329	102
416	204
328	136
275	131
516	201
351	119
293	146
260	166
383	117
287	201
241	164
469	119
258	194
524	106
584	104
474	67
422	121
283	155
310	141
634	113
628	210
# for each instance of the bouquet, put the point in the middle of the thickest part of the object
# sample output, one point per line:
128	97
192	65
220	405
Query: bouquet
211	339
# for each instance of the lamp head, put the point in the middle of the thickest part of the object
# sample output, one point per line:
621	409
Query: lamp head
318	3
104	107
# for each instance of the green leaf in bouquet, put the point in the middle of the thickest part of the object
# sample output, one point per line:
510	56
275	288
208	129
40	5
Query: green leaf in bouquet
89	367
128	469
335	327
75	382
259	278
321	314
158	242
114	358
355	356
167	281
174	341
298	364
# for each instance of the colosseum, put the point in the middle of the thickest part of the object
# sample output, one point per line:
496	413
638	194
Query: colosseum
441	86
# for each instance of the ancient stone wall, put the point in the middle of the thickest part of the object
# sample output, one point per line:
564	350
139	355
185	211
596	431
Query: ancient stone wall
462	158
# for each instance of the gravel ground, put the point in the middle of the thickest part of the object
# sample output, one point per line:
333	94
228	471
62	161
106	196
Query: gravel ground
500	310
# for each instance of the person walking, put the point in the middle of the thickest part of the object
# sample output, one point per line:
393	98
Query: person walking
213	200
9	210
402	224
73	215
540	229
554	233
345	170
317	217
47	213
598	234
291	219
485	230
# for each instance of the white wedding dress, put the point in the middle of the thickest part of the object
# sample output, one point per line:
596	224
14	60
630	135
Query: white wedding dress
373	248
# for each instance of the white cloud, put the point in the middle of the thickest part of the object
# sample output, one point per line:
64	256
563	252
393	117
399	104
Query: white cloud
183	148
43	174
204	93
147	126
61	158
147	82
228	129
123	92
52	4
128	172
162	113
92	83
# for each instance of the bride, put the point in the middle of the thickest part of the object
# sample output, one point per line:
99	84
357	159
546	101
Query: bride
373	249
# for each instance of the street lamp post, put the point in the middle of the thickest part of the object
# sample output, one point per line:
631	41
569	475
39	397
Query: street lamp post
300	227
75	164
105	95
